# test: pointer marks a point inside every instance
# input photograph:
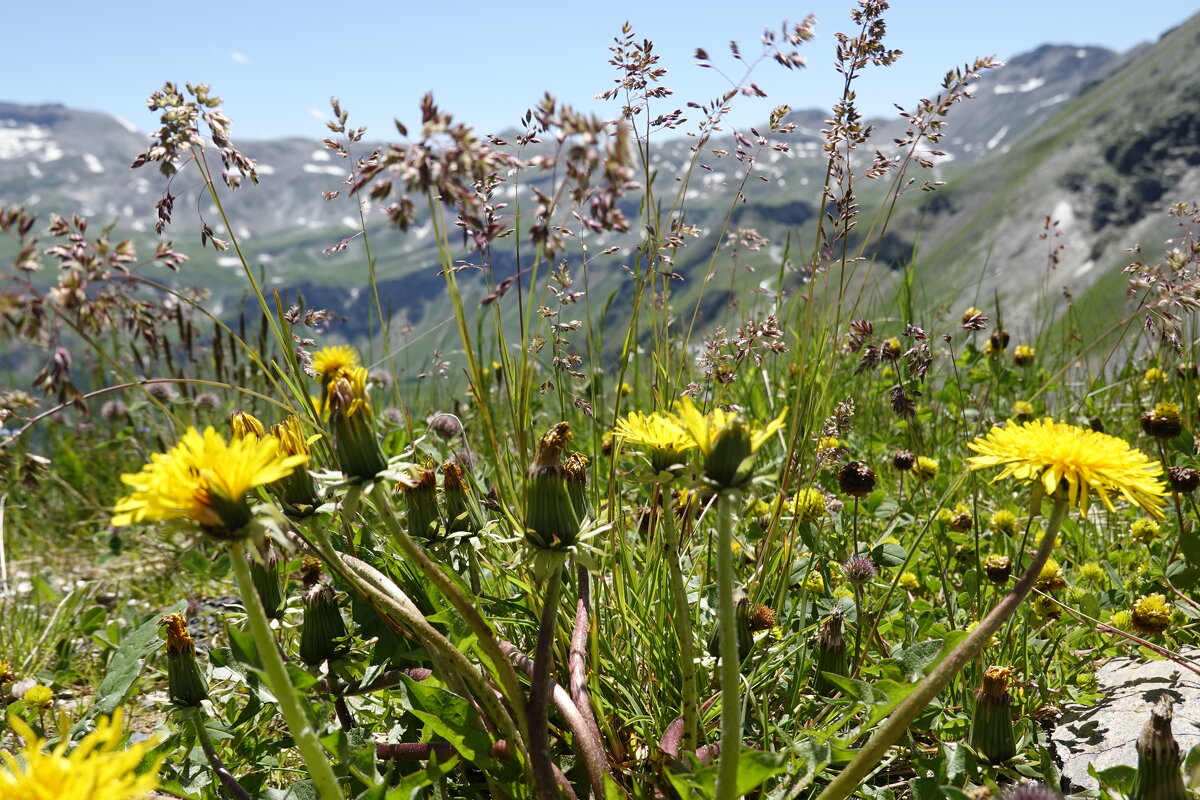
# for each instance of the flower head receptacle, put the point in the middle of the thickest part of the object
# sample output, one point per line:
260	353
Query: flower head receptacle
296	492
353	426
991	726
727	443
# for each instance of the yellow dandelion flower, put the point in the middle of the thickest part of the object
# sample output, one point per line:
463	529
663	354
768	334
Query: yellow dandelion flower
95	770
244	425
329	362
1051	453
662	434
726	442
205	479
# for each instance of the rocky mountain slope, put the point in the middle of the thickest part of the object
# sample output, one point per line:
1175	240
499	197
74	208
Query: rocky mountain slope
1099	142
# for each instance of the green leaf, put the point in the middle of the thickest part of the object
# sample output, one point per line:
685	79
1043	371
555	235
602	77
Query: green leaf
754	767
889	554
1189	545
124	669
450	717
914	659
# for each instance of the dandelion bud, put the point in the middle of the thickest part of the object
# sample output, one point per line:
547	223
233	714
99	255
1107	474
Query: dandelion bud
353	425
1151	614
264	571
831	656
903	460
462	515
421	498
992	727
323	632
296	491
856	479
1159	773
1183	479
244	425
551	521
1163	422
575	468
745	632
185	684
998	568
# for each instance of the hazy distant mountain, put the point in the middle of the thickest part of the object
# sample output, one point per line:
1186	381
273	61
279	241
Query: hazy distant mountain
1101	142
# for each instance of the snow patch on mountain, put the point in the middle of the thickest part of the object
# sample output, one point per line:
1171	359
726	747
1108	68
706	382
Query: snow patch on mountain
1025	86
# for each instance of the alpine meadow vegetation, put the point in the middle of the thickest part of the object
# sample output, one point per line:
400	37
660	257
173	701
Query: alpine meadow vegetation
763	520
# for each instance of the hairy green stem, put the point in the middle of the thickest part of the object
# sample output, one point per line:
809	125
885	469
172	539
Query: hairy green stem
885	735
540	687
509	682
290	704
730	675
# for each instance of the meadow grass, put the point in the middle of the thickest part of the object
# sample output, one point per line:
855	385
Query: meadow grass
730	545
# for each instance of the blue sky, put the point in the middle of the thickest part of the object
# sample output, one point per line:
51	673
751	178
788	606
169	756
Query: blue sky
276	64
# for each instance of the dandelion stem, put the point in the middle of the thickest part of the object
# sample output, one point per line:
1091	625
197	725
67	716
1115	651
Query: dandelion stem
290	705
730	675
849	779
218	766
540	687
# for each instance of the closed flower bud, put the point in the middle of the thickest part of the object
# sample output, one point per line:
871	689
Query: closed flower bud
856	479
462	513
551	522
323	635
185	684
1159	762
296	492
831	656
575	467
244	425
420	496
991	726
353	425
264	571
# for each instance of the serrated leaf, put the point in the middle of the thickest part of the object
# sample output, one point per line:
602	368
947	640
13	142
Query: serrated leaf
913	660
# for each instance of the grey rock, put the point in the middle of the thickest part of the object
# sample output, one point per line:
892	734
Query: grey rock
1104	735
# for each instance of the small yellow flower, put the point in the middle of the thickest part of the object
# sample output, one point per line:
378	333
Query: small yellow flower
1045	607
1003	522
1151	614
814	582
926	468
40	698
1023	355
1092	572
205	479
1163	422
828	443
908	582
1144	531
1051	579
1023	410
945	516
1051	453
1153	377
808	505
1122	620
94	770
